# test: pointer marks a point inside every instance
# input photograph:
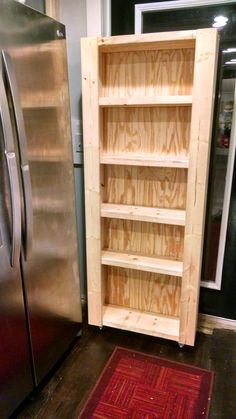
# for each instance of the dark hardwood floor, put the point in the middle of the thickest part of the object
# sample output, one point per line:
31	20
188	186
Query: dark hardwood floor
63	394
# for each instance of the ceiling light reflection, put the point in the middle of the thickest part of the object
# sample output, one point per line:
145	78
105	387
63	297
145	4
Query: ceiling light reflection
220	21
229	50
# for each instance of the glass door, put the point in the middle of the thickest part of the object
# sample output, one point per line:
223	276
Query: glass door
219	263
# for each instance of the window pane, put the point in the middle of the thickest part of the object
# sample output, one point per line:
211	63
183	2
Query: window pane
192	18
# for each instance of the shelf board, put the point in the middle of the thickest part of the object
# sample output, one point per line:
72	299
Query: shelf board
142	263
138	213
141	322
148	40
166	100
144	160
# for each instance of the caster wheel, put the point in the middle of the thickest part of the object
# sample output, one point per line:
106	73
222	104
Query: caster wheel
181	345
100	327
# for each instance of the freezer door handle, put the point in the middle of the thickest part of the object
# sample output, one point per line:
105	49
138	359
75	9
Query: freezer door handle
13	175
24	163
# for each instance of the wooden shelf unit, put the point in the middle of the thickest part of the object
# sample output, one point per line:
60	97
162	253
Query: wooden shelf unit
147	109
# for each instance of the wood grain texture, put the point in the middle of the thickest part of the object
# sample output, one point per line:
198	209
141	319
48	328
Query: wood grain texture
142	263
144	291
203	99
150	40
148	46
165	100
152	187
148	73
91	127
159	132
138	213
141	322
147	160
144	238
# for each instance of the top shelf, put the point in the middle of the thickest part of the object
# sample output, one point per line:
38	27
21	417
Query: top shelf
162	40
180	100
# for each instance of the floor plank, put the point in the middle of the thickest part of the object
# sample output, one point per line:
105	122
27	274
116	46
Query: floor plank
63	394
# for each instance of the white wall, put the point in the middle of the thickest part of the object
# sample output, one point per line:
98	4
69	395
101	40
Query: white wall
81	18
73	16
98	17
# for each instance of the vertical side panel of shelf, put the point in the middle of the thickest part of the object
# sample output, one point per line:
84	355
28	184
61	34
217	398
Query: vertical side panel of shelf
206	53
91	130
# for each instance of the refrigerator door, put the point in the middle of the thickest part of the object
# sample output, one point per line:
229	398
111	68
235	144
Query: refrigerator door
15	366
37	57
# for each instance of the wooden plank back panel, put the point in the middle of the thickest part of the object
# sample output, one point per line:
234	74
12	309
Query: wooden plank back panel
149	239
201	125
159	131
147	186
148	73
144	291
91	127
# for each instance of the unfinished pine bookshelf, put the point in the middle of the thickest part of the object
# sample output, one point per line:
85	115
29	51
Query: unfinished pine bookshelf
147	118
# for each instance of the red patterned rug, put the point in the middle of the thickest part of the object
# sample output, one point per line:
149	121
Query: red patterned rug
134	385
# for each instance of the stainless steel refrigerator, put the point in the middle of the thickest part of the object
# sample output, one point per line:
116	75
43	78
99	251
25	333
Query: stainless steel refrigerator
40	309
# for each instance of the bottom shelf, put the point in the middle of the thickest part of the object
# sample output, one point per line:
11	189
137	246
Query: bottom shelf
141	322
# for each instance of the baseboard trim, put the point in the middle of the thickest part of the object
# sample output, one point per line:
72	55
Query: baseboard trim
207	323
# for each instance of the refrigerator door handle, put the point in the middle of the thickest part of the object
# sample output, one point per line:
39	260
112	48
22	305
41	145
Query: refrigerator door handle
24	163
13	175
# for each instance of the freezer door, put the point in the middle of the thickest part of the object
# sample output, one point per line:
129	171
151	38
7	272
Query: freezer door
15	366
50	265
